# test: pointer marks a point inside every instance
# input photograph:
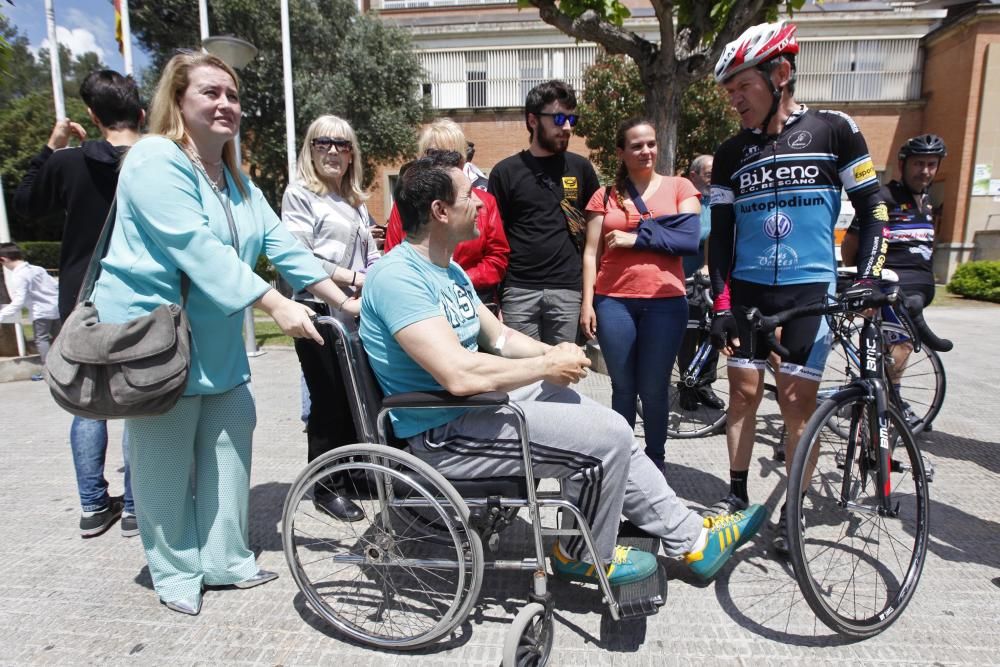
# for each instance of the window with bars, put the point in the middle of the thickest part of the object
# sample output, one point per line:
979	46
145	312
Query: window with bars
859	70
417	4
500	77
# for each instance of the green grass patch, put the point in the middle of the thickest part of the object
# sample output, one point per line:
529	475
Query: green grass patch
269	333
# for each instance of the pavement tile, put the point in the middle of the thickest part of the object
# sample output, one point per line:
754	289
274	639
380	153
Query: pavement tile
68	601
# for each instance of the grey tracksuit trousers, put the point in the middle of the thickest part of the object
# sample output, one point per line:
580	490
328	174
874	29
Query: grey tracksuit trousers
588	447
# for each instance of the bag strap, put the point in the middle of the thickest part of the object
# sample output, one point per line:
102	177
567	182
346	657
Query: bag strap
640	205
536	168
101	250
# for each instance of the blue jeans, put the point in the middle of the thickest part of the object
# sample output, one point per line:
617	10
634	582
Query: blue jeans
89	441
639	339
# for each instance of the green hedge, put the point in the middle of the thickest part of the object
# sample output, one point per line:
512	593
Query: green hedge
977	280
42	253
46	255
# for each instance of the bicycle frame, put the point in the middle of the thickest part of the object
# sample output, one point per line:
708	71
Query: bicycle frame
872	379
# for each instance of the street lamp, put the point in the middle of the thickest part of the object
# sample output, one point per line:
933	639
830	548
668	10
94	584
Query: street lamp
235	52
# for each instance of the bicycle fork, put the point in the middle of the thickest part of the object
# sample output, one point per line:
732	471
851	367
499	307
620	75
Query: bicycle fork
872	373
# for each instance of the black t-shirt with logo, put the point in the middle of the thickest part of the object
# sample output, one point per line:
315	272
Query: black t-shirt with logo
542	252
910	234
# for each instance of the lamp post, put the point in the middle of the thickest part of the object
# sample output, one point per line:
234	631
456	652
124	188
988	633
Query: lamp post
237	53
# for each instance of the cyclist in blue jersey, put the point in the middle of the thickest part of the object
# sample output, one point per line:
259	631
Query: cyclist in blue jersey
775	198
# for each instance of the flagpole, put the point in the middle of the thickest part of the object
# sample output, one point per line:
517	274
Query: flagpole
57	88
126	37
286	67
203	18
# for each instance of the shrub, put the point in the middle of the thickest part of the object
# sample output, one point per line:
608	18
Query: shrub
265	269
977	280
42	253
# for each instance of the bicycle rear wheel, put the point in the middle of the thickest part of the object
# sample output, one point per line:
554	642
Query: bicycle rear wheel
857	567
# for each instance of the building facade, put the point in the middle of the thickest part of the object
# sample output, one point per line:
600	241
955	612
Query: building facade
898	68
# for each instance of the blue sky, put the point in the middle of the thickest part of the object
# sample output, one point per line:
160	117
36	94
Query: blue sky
82	25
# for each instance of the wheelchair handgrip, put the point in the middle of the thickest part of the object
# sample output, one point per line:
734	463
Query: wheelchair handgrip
442	399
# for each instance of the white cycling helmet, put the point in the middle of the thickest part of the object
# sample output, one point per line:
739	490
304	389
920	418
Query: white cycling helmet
756	45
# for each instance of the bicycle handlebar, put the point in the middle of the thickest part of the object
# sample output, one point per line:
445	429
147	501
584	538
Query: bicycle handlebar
703	283
913	310
854	301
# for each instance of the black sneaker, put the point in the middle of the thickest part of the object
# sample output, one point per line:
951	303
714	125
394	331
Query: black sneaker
708	398
911	417
100	521
780	541
130	525
731	504
687	399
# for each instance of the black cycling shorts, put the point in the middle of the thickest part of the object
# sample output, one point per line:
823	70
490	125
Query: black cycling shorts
807	338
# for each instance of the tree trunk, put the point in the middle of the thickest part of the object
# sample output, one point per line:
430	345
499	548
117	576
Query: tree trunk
663	107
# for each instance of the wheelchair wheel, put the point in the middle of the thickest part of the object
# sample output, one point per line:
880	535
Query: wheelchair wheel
378	580
529	640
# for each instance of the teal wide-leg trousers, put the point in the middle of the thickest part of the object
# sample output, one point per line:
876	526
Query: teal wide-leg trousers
191	482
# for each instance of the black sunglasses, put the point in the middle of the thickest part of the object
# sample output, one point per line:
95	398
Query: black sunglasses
561	119
325	143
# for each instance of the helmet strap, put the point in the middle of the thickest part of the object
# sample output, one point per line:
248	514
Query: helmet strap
775	101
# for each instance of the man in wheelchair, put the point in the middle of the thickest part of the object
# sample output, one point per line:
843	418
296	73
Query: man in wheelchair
424	329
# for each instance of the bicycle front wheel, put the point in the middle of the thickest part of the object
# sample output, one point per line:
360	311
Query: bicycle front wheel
857	565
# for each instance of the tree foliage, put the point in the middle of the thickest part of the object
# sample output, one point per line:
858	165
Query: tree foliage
27	114
613	93
345	64
692	35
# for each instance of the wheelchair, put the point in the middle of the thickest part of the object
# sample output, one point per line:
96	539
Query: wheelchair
409	571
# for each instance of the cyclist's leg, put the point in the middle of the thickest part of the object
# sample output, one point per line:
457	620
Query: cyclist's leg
746	389
808	342
900	347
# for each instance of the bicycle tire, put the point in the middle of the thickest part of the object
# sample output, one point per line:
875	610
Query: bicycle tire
702	420
842	552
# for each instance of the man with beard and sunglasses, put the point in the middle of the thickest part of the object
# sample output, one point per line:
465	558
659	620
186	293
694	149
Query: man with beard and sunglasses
541	193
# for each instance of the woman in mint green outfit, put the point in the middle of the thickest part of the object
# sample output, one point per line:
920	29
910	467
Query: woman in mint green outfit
191	465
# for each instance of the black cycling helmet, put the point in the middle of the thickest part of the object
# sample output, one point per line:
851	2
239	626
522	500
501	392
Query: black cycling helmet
925	144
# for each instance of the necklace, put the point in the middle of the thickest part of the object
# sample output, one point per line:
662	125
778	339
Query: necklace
216	183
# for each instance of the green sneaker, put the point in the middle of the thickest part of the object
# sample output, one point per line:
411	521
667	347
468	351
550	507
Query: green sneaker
627	566
725	533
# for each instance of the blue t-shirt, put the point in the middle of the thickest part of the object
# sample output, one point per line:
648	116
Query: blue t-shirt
402	288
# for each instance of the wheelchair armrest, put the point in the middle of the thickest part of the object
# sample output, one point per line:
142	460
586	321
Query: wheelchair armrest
442	399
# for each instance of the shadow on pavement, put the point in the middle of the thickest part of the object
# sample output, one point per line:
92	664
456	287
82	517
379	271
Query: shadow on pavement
266	503
984	454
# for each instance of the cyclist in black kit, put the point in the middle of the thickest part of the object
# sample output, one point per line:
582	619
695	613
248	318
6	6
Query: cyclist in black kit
775	198
910	232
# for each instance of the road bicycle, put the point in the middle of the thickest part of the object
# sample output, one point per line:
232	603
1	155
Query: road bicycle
857	502
920	394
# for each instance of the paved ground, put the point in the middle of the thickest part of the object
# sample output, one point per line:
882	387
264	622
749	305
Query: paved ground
64	600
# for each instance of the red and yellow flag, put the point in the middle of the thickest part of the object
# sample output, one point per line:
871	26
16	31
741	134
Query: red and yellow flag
118	27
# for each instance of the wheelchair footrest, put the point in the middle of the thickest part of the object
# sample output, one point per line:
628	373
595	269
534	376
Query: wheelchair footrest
641	598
